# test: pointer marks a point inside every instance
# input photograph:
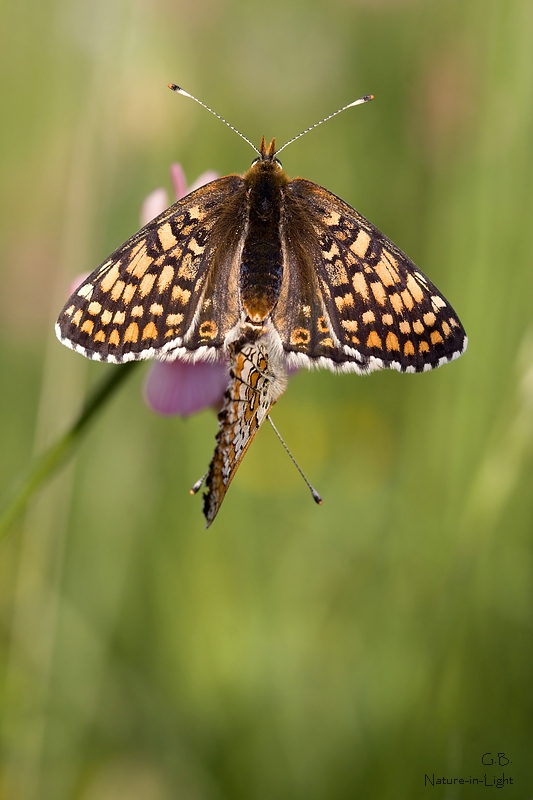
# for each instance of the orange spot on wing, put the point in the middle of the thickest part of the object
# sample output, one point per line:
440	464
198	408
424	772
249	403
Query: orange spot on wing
350	325
166	237
208	329
378	290
408	348
140	261
114	337
396	302
129	291
407	299
435	337
180	295
300	336
109	278
116	291
360	285
384	273
392	341
174	319
87	326
132	333
437	301
165	278
323	326
360	245
150	331
392	265
145	286
415	288
344	302
196	248
373	340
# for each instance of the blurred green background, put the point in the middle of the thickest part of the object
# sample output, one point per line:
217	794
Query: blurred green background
290	651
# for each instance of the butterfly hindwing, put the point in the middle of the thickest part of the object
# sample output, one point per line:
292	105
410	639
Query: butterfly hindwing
256	382
380	310
148	298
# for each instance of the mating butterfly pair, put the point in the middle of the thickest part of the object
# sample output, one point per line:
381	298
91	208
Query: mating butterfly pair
272	273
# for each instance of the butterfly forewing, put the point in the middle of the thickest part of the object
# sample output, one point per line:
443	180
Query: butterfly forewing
380	310
165	291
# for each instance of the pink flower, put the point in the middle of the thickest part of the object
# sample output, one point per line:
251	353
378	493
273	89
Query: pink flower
179	387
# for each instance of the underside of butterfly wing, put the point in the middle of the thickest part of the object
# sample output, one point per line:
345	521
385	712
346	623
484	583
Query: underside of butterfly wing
257	379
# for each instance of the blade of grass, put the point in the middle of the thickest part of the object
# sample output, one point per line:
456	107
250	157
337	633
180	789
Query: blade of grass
47	463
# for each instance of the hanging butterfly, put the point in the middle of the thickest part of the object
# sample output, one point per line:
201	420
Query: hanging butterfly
273	273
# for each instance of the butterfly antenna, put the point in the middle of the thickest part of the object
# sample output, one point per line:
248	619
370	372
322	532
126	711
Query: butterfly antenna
179	90
316	496
198	485
361	100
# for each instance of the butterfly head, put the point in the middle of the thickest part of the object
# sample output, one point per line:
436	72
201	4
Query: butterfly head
267	154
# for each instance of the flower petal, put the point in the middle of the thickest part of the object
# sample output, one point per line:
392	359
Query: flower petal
179	183
205	177
180	387
154	204
76	282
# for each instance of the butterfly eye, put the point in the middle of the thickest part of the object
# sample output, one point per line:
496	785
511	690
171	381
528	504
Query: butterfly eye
256	160
278	163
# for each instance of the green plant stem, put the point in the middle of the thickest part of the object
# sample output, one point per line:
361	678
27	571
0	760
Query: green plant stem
45	465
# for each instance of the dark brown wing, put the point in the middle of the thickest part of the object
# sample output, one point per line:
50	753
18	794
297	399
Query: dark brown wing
167	290
377	310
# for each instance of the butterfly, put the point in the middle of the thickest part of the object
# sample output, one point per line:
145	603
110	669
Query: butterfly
271	273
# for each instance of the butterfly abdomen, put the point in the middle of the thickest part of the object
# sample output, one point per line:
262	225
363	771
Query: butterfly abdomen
261	270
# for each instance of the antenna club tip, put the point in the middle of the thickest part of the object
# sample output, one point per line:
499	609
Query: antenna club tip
173	87
368	97
316	497
197	486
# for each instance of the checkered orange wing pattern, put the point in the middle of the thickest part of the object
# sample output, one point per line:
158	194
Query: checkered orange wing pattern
165	291
369	307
